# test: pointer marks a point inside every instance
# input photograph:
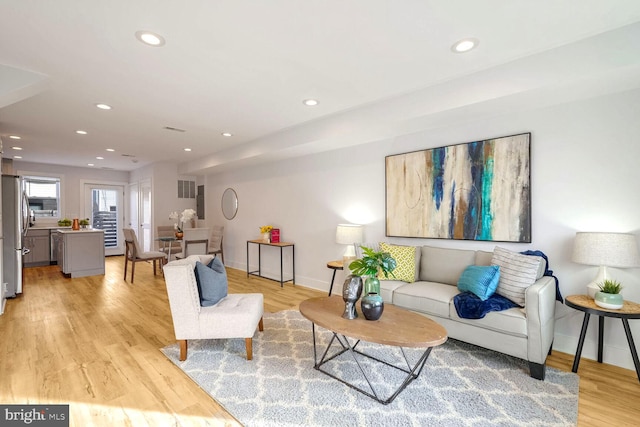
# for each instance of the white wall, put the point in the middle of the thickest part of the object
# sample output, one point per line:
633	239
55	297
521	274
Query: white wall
70	184
164	186
584	178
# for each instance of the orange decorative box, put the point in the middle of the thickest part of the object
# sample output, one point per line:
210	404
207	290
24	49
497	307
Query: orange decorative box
275	235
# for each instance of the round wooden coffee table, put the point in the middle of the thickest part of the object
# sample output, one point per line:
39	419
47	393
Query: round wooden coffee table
397	327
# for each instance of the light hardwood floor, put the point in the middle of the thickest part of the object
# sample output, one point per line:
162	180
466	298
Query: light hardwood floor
94	343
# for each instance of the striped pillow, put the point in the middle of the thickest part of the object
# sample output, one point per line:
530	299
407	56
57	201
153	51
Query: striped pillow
517	273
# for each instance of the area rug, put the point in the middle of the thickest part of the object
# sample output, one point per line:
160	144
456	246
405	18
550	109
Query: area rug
460	385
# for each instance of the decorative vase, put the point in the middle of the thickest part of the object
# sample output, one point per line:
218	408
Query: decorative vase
179	234
351	291
611	301
266	237
372	306
76	224
372	285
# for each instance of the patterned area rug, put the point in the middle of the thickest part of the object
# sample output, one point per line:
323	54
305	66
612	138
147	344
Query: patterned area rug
460	385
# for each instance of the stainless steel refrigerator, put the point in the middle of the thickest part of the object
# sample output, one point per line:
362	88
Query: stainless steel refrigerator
14	228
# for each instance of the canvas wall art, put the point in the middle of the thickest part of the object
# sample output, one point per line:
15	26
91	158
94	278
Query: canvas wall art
474	191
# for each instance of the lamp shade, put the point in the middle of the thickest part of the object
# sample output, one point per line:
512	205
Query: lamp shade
349	234
606	249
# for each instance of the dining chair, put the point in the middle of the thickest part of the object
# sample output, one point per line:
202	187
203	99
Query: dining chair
135	254
215	241
194	242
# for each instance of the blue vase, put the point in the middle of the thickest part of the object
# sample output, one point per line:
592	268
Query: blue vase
372	306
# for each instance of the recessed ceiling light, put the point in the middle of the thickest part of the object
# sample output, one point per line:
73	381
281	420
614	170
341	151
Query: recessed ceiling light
99	158
16	148
187	149
90	164
14	137
103	106
81	132
17	157
465	45
110	149
227	134
310	102
150	38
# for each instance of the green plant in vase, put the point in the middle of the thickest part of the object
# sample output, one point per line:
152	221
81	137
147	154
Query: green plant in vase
370	266
609	294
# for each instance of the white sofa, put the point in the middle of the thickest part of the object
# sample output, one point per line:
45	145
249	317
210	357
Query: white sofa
526	333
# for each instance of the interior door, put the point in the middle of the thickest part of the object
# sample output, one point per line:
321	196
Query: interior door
145	237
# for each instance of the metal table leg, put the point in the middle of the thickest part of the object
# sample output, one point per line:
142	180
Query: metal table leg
583	333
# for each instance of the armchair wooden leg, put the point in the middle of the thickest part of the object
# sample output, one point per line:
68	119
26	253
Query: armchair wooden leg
126	260
249	343
133	270
260	325
183	349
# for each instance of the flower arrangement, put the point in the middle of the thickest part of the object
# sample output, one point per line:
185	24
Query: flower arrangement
186	215
266	228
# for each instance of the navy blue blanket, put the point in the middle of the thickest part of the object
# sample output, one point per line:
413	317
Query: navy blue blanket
469	306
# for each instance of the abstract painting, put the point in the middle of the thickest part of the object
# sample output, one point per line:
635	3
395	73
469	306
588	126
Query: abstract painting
474	191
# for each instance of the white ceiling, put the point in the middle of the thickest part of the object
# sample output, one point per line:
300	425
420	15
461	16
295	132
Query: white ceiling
378	68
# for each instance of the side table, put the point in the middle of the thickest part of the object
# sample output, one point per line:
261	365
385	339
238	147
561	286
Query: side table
280	245
334	265
630	310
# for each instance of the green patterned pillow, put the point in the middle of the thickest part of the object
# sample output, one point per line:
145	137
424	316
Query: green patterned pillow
405	257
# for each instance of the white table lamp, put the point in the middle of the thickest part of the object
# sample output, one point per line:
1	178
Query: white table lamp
351	235
605	250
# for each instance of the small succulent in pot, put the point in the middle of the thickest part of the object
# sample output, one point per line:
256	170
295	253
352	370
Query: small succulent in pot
609	295
609	286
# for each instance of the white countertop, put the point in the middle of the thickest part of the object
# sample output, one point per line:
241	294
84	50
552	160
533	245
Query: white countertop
82	230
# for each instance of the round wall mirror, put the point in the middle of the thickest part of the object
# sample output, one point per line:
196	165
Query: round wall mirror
229	203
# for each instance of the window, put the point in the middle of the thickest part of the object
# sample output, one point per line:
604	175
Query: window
44	195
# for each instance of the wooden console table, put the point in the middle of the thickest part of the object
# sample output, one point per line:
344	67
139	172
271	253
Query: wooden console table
280	245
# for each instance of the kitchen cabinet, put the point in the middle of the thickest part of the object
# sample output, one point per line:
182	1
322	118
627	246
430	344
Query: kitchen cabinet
81	252
38	242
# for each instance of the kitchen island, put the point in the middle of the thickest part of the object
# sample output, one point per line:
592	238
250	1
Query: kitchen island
80	252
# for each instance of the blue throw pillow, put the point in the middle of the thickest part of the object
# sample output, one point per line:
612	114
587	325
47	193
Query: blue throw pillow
212	282
482	281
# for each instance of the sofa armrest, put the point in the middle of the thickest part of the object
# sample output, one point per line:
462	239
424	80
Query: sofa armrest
540	306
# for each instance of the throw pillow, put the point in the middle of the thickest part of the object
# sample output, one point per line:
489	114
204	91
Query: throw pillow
212	282
482	281
405	257
517	273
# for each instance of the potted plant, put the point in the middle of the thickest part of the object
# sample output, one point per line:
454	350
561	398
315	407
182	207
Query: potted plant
609	295
371	265
84	223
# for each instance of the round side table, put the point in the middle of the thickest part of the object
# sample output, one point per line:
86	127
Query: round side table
586	304
334	265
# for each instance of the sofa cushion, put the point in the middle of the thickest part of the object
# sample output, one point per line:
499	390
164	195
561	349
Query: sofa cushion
426	297
212	282
407	262
482	281
511	321
517	273
388	287
444	265
483	258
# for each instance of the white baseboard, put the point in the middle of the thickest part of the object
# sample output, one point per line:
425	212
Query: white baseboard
613	355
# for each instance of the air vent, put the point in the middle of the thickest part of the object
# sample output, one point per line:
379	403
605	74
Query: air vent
174	129
128	155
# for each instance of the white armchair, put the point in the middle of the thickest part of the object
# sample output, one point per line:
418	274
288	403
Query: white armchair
235	316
